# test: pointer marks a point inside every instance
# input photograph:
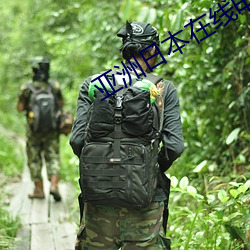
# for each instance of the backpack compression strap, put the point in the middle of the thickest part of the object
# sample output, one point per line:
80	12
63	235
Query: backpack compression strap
118	115
117	139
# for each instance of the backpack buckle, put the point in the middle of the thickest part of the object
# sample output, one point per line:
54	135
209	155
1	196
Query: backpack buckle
118	105
118	118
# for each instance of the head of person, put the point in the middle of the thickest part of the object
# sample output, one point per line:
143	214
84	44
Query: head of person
137	36
40	66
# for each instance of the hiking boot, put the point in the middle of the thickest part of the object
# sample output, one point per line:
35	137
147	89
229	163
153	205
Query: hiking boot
54	187
38	191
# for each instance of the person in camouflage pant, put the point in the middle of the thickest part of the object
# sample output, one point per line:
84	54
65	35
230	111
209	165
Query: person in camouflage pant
107	228
110	227
42	145
49	144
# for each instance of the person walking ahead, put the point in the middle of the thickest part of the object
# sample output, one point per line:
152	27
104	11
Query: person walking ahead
116	140
42	102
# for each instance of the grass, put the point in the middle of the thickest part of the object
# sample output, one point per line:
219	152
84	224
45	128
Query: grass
8	229
69	162
11	164
11	156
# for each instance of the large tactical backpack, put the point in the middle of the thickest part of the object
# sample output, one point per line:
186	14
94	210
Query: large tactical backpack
118	164
43	109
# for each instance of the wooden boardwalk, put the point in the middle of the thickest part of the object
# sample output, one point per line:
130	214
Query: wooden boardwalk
46	224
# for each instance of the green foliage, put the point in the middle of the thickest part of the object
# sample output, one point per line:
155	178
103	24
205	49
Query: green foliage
8	229
11	156
9	225
11	165
219	219
69	162
212	79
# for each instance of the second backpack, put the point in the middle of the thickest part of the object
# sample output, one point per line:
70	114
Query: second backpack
43	110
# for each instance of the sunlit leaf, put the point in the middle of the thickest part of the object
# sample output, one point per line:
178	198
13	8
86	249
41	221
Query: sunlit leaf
232	136
222	196
234	192
200	167
212	167
242	189
192	190
242	18
184	183
125	9
247	184
234	216
174	181
233	183
210	198
178	22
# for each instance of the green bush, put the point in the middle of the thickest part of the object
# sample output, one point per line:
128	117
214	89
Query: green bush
11	165
212	78
219	219
11	156
69	162
8	229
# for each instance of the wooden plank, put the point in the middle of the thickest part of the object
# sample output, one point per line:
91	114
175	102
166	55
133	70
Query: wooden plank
70	196
40	207
58	211
61	211
71	202
64	235
45	222
24	212
60	214
42	237
20	195
26	173
22	240
39	211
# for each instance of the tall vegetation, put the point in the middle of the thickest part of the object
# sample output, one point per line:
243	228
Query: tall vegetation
210	187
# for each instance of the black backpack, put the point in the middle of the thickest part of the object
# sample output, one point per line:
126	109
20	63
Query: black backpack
43	109
118	164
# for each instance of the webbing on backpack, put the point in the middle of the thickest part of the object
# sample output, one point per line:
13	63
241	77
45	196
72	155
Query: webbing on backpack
118	164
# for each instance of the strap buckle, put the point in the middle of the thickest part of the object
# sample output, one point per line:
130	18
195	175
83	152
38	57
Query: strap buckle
118	105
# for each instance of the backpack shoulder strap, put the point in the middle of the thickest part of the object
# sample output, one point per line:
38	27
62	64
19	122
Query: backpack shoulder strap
153	78
32	88
52	85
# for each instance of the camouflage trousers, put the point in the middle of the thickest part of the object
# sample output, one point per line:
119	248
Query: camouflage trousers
43	149
122	228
